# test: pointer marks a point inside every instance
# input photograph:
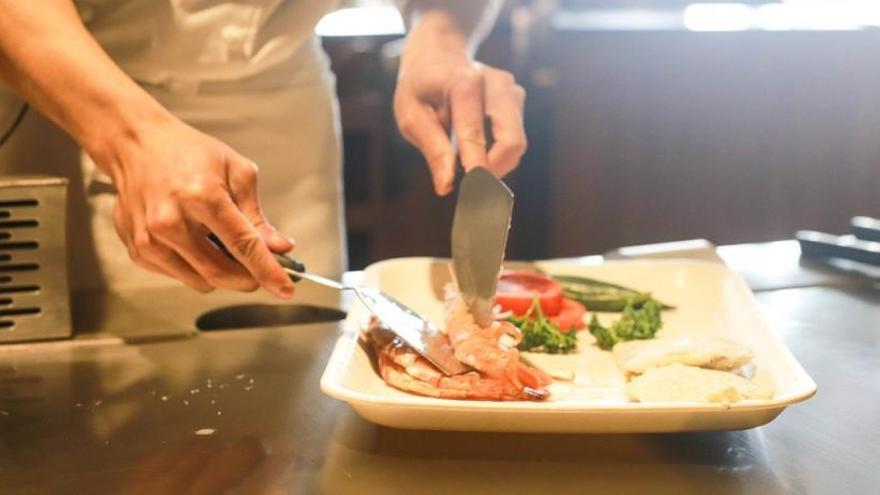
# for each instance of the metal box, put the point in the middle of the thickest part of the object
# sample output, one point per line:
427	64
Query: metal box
34	297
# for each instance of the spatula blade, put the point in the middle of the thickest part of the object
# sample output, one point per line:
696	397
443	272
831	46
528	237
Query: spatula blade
419	333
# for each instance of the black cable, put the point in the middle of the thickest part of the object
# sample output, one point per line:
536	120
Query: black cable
15	123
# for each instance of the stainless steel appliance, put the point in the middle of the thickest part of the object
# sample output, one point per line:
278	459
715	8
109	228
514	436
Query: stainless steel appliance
34	297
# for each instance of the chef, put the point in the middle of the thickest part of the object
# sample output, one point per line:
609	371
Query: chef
178	118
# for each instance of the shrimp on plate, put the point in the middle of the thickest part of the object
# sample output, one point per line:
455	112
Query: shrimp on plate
498	374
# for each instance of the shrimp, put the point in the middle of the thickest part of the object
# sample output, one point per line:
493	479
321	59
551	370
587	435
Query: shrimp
404	369
491	350
498	372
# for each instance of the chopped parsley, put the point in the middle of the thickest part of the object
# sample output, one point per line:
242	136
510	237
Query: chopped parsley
539	334
634	324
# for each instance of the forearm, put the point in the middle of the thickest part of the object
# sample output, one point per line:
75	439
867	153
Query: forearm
52	61
452	24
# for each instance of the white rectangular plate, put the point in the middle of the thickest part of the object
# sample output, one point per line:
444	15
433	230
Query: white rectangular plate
710	299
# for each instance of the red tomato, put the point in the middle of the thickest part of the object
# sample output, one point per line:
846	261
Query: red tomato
571	317
516	291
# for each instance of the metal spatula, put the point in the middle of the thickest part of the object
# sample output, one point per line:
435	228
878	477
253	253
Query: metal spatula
417	332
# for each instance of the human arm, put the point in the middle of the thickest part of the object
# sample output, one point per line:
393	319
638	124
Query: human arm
174	183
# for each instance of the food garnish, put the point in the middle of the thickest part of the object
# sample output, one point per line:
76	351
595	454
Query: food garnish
539	334
517	290
598	295
635	323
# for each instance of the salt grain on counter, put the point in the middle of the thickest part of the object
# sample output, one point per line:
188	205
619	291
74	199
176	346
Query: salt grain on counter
185	402
219	413
164	398
240	376
205	431
98	403
194	391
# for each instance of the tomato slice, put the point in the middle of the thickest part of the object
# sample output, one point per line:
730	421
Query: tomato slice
571	317
516	291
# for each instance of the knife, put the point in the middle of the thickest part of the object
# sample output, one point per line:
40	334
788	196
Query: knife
479	237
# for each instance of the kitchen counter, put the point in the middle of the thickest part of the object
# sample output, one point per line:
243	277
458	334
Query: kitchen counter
142	403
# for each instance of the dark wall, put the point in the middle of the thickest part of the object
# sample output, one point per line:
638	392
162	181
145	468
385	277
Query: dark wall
734	137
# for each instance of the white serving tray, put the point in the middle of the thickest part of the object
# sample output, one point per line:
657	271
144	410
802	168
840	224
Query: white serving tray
710	299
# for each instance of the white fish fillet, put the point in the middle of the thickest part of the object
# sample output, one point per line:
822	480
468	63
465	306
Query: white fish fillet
680	383
637	356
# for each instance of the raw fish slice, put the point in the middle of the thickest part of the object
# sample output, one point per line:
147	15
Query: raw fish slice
637	356
680	383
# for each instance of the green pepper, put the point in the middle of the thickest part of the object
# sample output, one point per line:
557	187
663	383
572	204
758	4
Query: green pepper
598	295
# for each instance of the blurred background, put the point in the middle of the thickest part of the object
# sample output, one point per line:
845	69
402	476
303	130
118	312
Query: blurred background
648	121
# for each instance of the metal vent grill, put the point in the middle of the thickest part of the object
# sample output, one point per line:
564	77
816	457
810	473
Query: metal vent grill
34	301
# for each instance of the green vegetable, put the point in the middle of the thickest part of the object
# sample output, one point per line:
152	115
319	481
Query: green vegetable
597	295
540	334
634	323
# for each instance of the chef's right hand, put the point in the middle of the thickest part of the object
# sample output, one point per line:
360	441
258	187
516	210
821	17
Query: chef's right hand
176	185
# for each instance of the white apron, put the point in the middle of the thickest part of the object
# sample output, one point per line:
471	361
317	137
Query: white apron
250	73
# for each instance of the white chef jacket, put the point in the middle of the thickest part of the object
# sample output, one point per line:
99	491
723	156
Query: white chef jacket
250	73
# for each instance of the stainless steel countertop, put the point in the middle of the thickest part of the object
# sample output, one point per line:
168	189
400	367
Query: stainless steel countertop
178	412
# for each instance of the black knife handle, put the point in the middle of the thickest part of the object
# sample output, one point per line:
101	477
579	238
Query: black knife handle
284	260
824	245
865	228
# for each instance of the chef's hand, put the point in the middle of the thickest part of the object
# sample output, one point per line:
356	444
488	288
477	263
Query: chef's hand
440	86
175	186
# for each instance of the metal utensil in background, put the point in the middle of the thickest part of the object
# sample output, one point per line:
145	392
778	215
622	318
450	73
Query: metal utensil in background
849	247
865	228
479	238
417	332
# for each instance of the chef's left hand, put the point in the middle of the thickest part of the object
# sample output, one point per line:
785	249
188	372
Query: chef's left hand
440	86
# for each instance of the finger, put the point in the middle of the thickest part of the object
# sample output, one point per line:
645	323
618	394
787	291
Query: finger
223	218
421	125
466	102
504	104
123	229
183	247
173	265
243	175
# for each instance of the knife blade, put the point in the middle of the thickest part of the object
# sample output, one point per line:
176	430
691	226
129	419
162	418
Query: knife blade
479	238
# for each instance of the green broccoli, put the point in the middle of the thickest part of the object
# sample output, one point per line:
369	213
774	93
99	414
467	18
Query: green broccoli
540	334
634	324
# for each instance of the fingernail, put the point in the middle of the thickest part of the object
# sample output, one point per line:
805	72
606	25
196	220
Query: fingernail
281	239
443	186
284	291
